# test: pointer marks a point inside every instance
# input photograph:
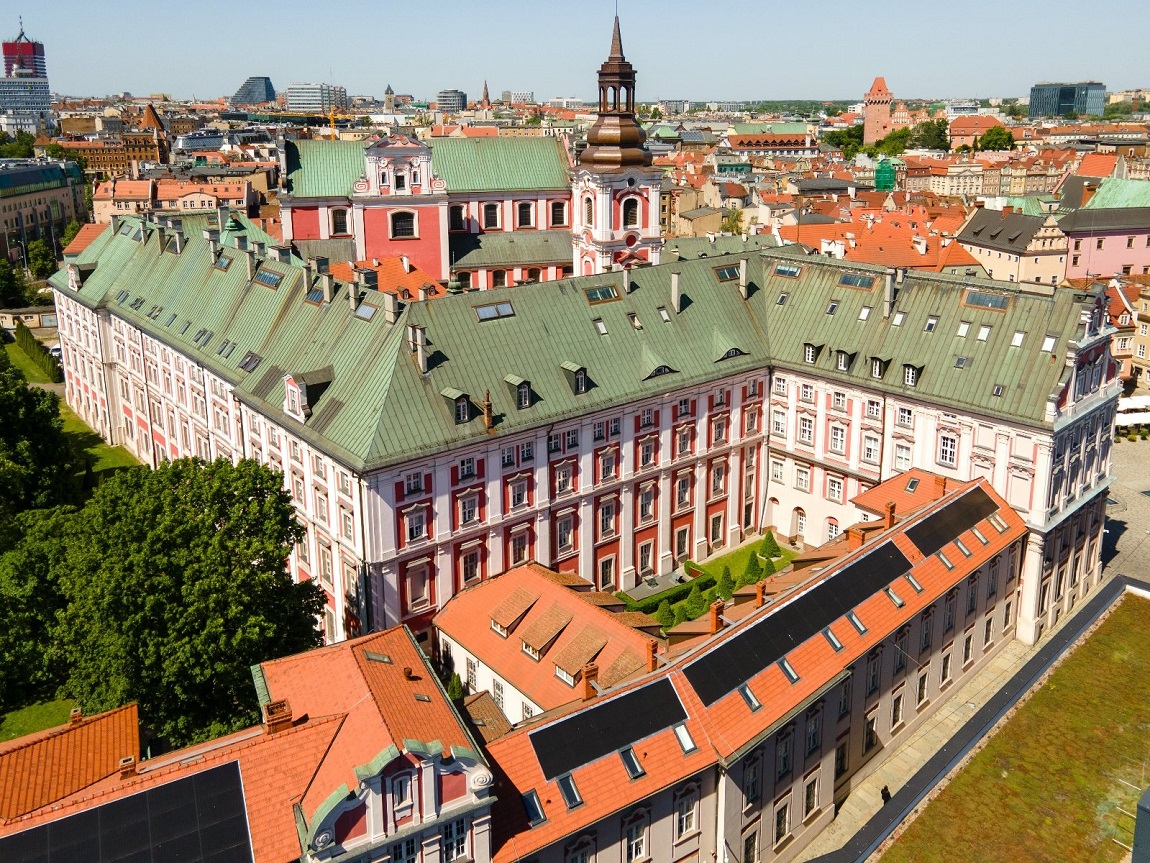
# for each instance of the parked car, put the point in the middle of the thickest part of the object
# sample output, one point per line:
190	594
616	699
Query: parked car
56	352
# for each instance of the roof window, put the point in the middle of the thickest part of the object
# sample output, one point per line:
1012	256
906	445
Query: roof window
631	763
601	294
533	808
856	623
569	791
790	271
683	735
749	697
832	639
854	280
491	311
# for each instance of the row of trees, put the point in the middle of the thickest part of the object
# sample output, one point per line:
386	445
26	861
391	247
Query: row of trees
37	353
163	587
928	135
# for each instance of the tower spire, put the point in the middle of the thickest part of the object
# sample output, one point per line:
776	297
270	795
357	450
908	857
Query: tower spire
616	43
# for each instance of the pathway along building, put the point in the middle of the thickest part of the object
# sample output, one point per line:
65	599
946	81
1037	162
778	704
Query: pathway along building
608	426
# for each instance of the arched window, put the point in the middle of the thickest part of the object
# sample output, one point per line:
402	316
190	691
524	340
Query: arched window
402	225
799	525
588	211
533	274
525	214
499	279
339	221
456	220
523	396
558	213
631	213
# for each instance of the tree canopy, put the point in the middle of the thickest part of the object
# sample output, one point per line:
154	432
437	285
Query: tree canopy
848	140
70	231
41	260
173	583
996	138
14	292
930	135
18	146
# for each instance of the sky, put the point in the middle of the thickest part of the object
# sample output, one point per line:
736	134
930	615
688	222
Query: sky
721	49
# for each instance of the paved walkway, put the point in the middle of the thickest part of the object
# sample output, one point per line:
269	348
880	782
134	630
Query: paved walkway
925	757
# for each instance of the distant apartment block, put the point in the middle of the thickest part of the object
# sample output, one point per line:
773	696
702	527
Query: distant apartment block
254	91
37	199
523	97
316	98
24	92
1057	99
451	101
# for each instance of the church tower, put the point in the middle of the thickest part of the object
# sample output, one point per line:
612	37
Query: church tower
876	112
615	190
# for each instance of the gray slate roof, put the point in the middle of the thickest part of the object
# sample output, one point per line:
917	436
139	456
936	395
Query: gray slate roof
1001	231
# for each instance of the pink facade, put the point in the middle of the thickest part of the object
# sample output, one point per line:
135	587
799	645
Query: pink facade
1105	253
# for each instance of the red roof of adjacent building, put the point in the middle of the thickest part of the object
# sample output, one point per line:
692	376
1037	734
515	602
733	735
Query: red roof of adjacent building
973	124
84	238
1098	165
392	277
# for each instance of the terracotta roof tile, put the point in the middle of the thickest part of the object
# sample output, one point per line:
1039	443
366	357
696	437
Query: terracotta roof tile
584	647
84	238
546	627
514	607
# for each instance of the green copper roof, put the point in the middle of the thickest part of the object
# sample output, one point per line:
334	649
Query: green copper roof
380	410
1115	194
321	169
508	248
500	164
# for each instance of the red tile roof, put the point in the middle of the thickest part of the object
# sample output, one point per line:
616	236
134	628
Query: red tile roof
40	769
391	277
84	238
566	625
1098	165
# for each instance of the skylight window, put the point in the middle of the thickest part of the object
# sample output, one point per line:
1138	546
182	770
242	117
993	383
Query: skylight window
223	262
997	391
636	324
854	280
983	333
782	300
963	329
931	323
832	307
569	791
123	295
983	300
911	485
314	296
664	314
962	547
492	311
727	273
790	271
913	583
864	313
250	361
683	735
171	320
600	327
1016	341
832	639
365	312
979	535
898	601
899	317
126	229
268	278
856	623
997	521
223	347
789	670
961	362
631	763
533	808
945	560
601	294
1048	344
749	697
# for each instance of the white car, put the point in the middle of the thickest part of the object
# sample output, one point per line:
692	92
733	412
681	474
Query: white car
56	351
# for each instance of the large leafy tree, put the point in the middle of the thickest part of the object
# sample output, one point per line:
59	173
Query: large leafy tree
13	289
70	231
996	138
931	135
41	260
174	583
36	468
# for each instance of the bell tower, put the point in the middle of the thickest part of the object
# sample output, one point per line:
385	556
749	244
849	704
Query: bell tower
615	190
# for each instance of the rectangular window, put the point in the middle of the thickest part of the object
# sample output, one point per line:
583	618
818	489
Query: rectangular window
835	489
782	821
921	691
896	710
635	841
803	478
569	791
811	797
948	450
806	430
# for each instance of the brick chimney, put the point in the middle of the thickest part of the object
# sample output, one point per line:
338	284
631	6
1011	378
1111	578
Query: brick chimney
760	594
590	676
888	521
855	538
939	485
277	716
652	652
127	766
76	716
714	616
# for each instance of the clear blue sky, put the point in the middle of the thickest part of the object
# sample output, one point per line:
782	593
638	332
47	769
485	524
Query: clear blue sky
680	48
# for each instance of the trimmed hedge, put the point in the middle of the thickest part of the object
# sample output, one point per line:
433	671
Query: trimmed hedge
38	354
672	595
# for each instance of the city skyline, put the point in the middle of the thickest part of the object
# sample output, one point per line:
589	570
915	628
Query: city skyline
725	62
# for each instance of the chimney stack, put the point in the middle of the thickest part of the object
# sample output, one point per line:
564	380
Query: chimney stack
75	716
162	233
406	262
261	248
939	485
676	293
320	264
213	238
253	264
221	218
760	594
281	254
353	297
652	654
390	307
277	716
127	766
327	282
424	292
417	336
488	412
115	224
889	293
743	277
714	616
626	280
888	520
242	242
408	673
590	676
854	538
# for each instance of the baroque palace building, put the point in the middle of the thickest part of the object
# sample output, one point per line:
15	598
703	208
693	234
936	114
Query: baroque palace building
608	426
489	212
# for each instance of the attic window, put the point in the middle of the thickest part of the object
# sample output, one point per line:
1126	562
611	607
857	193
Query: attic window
683	735
1016	340
945	560
961	362
314	296
910	375
600	327
1048	344
913	582
931	323
664	314
123	295
832	639
250	361
997	391
856	623
660	370
494	310
899	317
171	320
498	628
864	313
136	303
126	229
997	521
854	280
365	312
876	367
635	322
533	808
832	307
983	300
782	300
223	262
790	271
898	601
749	697
789	670
462	410
727	274
810	353
569	791
983	333
911	485
601	294
842	361
963	329
268	278
631	763
732	353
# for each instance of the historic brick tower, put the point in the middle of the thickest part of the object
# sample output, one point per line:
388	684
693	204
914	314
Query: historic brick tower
615	191
876	112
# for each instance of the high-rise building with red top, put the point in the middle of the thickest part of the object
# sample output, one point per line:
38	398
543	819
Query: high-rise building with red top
24	53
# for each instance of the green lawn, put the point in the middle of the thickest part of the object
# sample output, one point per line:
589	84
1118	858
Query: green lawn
104	458
737	559
24	363
1047	787
35	717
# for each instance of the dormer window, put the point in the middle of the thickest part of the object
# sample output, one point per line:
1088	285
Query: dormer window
876	367
292	398
462	410
523	396
810	353
910	375
842	361
580	382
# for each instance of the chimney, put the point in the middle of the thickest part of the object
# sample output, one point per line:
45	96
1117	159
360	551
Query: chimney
277	716
714	616
162	233
327	282
939	485
405	261
261	248
743	277
855	538
320	263
390	307
488	412
281	254
366	277
888	520
221	217
408	674
253	264
127	767
417	338
75	716
590	676
900	275
353	297
424	292
652	654
626	280
889	293
242	242
213	238
115	224
676	293
760	594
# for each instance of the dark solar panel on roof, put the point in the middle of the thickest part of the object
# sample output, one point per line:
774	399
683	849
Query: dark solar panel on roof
607	727
935	531
197	819
771	637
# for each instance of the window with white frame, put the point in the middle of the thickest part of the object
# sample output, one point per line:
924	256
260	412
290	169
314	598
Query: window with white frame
565	533
778	422
606	519
647	503
416	521
563	479
635	840
807	392
947	450
780	386
606	465
468	508
776	470
418	585
718	478
806	430
873	408
870	449
838	440
802	478
686	814
835	489
901	456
